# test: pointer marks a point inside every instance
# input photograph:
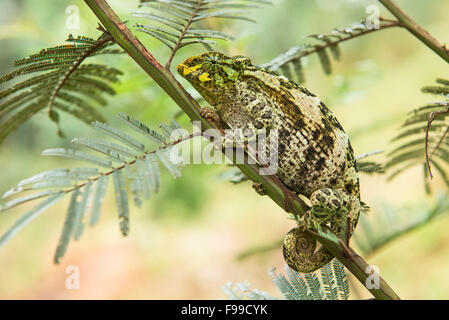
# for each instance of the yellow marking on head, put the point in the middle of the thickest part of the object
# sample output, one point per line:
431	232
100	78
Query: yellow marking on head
179	66
188	70
204	77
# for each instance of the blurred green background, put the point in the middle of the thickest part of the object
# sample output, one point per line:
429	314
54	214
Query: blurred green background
183	243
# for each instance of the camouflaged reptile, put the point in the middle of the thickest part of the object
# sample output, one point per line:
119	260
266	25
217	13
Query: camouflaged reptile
314	153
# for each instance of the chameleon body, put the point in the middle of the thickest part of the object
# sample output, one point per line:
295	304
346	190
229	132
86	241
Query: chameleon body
314	153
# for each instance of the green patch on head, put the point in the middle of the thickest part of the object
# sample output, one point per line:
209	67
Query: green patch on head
233	75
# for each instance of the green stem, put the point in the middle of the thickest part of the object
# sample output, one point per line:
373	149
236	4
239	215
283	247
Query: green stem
416	29
166	80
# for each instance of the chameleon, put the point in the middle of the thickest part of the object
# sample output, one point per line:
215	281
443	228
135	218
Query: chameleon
315	157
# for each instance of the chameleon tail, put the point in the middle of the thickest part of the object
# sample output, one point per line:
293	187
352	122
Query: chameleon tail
299	251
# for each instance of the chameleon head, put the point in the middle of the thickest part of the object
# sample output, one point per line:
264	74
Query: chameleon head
212	73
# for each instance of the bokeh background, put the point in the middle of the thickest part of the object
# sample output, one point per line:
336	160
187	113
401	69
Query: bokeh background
184	242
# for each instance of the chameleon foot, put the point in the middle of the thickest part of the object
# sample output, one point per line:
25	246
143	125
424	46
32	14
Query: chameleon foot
212	116
259	188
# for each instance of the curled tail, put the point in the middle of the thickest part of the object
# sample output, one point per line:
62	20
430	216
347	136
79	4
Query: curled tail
329	207
299	250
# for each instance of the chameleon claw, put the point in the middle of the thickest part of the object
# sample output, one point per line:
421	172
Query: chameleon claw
259	188
208	113
213	117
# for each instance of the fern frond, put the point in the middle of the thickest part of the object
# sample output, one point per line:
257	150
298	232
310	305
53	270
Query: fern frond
290	63
341	280
298	283
424	140
121	198
329	288
100	192
67	230
133	171
286	288
328	283
59	81
175	20
331	284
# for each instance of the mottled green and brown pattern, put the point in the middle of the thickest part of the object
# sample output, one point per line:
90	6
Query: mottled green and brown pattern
315	156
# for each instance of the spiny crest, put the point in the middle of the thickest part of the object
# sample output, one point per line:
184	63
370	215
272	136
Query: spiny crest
423	140
133	166
63	83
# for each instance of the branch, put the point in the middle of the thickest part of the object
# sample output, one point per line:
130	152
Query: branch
417	30
165	79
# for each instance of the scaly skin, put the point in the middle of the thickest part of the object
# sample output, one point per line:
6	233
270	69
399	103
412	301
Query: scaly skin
314	153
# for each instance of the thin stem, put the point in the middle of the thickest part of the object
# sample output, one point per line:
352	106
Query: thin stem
165	79
416	29
432	117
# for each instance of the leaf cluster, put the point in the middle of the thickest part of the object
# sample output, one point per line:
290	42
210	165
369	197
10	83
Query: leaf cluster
133	166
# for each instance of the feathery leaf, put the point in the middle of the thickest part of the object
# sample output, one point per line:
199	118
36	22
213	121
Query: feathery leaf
330	285
176	20
292	58
424	132
138	172
67	228
59	80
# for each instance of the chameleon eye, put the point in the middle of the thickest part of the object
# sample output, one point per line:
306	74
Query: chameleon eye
212	64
